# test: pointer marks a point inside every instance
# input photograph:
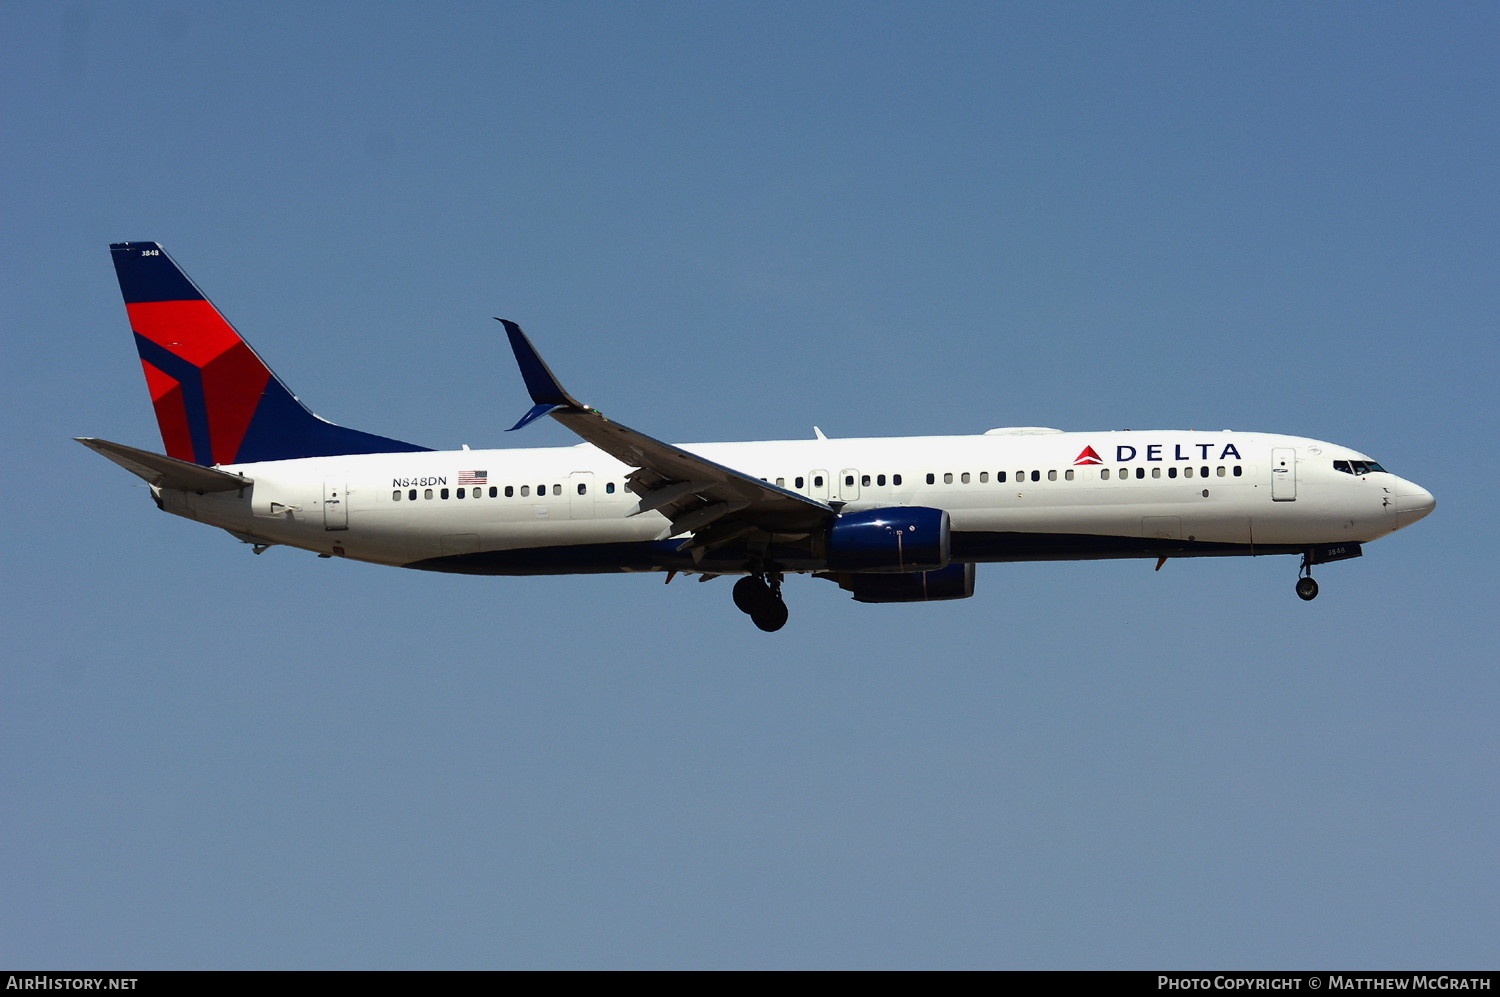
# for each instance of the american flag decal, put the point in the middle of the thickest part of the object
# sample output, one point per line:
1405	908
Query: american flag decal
473	477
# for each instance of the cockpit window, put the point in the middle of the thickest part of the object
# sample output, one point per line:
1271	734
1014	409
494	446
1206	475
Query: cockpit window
1357	466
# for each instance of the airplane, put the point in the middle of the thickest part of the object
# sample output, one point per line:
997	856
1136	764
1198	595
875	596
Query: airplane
902	519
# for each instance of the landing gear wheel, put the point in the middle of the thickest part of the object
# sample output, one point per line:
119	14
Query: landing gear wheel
770	617
759	597
1307	589
750	594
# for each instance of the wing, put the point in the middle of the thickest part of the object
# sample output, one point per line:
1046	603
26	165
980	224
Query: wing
713	503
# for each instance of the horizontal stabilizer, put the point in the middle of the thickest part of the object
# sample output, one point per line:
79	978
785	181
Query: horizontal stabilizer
167	472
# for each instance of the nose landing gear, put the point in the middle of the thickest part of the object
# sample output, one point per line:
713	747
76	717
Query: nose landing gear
759	597
1307	589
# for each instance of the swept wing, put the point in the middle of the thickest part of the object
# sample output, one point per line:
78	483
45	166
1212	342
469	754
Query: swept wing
713	503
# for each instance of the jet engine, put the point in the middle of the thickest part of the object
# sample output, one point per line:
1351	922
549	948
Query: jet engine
901	539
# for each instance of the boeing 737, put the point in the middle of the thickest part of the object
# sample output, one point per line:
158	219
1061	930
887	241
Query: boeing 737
888	520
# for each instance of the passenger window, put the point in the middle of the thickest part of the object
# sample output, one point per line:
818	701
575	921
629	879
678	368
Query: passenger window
427	493
609	489
948	477
1068	474
880	480
896	479
1000	476
984	477
849	481
1187	472
1156	472
1052	475
460	493
443	493
931	478
1140	472
557	489
1202	472
1104	474
510	491
1237	471
1221	470
1171	472
964	477
864	481
1036	475
525	491
583	489
799	481
494	492
411	496
396	495
780	482
818	481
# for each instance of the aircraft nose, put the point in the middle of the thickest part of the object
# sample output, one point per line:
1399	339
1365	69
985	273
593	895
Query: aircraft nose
1412	502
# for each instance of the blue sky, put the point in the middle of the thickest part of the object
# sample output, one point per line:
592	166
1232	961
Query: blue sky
735	221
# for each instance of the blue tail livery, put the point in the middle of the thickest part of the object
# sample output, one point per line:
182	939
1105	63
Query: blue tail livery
216	401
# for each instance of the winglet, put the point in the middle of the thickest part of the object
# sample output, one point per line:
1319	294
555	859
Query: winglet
545	390
537	411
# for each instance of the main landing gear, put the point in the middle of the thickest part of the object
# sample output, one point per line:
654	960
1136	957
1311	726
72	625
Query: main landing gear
1307	589
759	597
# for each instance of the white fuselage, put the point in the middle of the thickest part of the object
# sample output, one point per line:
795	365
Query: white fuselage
1011	495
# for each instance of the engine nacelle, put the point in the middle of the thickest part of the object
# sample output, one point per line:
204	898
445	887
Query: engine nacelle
953	582
900	539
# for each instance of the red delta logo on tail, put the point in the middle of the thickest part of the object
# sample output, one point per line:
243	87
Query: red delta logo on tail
205	382
1088	456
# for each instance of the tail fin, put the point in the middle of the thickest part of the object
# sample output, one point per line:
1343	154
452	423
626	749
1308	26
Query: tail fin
216	400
